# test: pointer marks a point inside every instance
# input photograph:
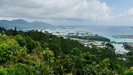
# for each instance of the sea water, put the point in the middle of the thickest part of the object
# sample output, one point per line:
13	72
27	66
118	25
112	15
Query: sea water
108	32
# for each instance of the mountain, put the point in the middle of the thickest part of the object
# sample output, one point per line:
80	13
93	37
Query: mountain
22	24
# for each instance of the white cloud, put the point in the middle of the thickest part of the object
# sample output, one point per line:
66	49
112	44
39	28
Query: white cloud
56	9
124	18
129	12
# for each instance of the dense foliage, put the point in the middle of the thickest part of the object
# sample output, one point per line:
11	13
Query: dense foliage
94	37
37	53
128	46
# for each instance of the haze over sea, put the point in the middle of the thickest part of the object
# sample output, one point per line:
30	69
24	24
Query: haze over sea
108	31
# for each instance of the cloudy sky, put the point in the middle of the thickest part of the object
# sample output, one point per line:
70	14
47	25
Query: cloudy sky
69	12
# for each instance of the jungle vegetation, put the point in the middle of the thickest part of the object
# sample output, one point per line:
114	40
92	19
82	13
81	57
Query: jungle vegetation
41	53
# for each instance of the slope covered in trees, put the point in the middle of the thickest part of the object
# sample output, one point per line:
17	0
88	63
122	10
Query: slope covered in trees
38	53
94	37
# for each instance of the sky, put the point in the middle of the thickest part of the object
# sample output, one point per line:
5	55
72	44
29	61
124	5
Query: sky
69	12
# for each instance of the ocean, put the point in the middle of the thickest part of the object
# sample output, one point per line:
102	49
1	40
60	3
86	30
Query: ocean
107	31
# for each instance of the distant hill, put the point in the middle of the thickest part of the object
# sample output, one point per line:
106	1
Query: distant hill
22	24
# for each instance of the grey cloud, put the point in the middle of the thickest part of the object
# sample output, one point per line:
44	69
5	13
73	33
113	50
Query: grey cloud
19	3
75	10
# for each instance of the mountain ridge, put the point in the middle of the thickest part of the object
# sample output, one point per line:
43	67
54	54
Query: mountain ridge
23	24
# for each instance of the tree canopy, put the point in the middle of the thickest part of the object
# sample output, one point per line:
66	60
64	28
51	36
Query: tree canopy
41	53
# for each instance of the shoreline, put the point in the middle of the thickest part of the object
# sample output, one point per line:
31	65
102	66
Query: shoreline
123	36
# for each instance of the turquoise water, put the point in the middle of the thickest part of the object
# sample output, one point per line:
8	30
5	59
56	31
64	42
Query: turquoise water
120	49
108	31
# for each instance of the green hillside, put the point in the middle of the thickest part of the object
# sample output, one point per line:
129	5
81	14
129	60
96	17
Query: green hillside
38	53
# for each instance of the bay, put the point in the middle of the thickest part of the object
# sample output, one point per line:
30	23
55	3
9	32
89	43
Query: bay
107	31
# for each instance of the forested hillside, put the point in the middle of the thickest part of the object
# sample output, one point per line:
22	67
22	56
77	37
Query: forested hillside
41	53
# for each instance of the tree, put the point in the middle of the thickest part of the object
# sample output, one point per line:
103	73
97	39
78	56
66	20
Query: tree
15	31
130	58
21	40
